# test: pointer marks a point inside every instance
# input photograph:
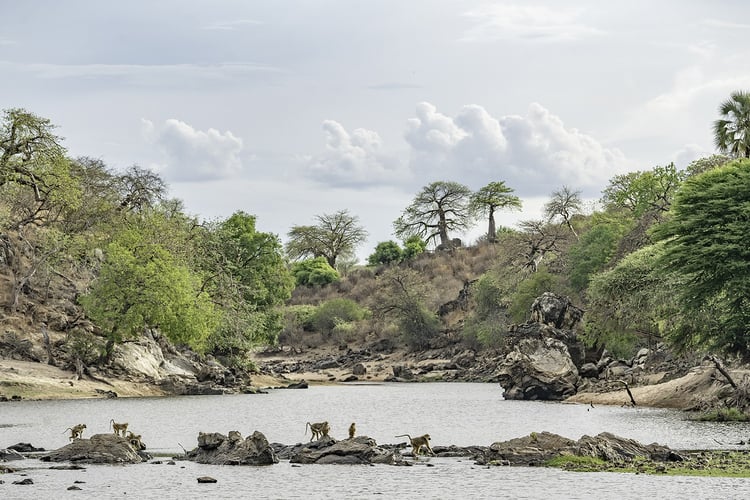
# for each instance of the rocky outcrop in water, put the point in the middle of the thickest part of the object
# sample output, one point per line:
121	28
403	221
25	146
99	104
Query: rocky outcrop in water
538	448
218	449
98	449
355	451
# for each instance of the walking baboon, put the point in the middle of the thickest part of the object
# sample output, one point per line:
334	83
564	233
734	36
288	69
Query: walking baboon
118	429
417	443
352	430
76	431
318	430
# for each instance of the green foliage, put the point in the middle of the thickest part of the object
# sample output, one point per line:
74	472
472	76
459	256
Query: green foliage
643	191
299	317
413	246
490	198
705	243
724	415
334	312
140	286
594	250
314	272
732	130
85	346
488	323
386	252
632	303
529	289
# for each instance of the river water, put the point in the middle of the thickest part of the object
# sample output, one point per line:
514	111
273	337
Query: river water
461	414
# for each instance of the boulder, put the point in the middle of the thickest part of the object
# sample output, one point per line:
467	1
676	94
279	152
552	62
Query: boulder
589	370
99	449
358	450
538	369
217	449
556	311
8	455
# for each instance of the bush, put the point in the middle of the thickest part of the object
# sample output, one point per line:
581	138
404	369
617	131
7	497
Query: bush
314	272
386	252
333	312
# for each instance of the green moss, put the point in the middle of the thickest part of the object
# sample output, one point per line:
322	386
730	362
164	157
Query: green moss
577	463
724	415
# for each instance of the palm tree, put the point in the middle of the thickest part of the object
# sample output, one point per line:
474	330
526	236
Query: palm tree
732	131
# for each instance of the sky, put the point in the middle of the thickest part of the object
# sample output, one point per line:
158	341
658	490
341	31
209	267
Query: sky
288	109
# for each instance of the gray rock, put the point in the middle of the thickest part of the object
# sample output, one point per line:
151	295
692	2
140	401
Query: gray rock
218	449
589	370
99	449
8	455
359	450
359	369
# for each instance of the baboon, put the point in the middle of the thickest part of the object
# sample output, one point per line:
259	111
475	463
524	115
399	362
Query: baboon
76	431
318	430
135	441
417	443
352	430
118	429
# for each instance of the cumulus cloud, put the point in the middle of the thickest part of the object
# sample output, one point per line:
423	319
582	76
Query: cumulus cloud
190	154
353	159
533	153
527	22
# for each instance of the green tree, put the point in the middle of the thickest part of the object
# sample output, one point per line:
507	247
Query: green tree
314	272
706	243
564	203
335	235
643	191
440	207
489	199
595	249
386	252
707	163
141	285
632	304
732	130
247	275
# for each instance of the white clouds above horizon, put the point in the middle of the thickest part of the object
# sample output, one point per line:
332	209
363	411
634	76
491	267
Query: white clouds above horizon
532	153
534	23
191	154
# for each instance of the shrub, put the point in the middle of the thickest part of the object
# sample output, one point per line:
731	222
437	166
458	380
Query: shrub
314	272
386	252
334	312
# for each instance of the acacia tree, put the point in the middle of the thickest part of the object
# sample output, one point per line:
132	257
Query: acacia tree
494	196
440	207
706	243
732	130
564	203
335	235
644	191
36	189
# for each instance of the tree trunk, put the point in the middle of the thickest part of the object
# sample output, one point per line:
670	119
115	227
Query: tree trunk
48	346
491	231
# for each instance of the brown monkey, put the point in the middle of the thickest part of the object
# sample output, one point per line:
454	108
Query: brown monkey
135	441
76	432
118	429
352	430
417	443
318	430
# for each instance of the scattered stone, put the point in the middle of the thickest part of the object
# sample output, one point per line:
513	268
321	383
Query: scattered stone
359	369
8	455
302	384
67	467
206	479
25	448
73	488
28	480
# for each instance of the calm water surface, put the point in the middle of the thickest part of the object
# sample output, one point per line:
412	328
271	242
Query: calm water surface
453	413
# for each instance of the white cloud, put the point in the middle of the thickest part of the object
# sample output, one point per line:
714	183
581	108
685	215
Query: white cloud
353	159
527	22
533	154
191	154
